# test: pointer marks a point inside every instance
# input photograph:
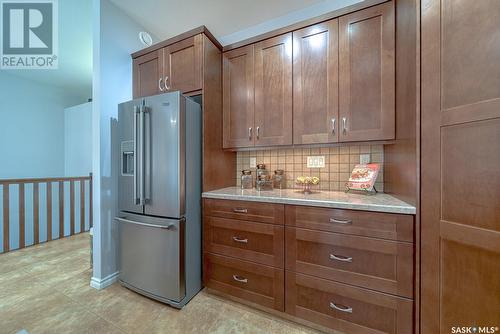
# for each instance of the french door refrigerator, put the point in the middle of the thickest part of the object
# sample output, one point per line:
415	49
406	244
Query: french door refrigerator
159	197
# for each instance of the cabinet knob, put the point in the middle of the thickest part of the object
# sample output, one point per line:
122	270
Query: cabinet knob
344	125
333	125
341	308
159	84
240	279
340	258
258	132
243	241
250	133
240	210
167	87
339	221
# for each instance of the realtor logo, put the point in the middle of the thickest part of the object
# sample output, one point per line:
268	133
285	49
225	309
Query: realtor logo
29	34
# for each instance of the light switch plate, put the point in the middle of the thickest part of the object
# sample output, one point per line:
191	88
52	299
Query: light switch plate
253	162
316	161
364	159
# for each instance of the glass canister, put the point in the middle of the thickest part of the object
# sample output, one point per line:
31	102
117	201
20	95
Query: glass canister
264	182
261	171
279	179
246	179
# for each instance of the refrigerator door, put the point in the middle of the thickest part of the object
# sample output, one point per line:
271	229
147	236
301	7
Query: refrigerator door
152	256
164	155
129	134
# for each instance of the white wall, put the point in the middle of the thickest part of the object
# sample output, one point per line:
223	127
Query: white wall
303	14
31	127
115	38
78	140
32	145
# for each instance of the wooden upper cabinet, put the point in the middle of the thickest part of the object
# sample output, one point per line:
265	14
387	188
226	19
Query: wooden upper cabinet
178	66
315	84
238	97
367	74
147	72
330	82
182	65
273	91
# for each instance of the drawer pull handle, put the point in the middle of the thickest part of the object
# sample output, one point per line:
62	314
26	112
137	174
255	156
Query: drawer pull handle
238	210
240	279
339	221
341	308
243	241
340	258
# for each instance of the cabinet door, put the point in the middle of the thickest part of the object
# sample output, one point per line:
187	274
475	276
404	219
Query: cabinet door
367	74
315	84
147	73
238	97
183	65
273	91
460	155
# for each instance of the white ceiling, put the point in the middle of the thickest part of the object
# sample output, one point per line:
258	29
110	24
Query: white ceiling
75	51
228	20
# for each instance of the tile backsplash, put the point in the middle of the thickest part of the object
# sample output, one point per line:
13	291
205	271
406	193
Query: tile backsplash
339	162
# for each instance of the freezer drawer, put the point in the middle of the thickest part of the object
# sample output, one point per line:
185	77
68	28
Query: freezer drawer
152	256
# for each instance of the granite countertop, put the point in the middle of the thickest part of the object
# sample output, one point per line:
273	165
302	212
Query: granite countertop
330	199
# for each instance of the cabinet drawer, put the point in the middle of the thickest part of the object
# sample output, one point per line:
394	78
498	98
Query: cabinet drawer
346	308
371	263
256	242
369	224
250	281
250	211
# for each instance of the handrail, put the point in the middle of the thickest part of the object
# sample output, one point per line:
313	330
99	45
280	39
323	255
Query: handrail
47	179
52	183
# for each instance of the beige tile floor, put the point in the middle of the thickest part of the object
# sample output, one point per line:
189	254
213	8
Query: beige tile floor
45	289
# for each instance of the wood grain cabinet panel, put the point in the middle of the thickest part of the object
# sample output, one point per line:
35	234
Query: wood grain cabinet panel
147	73
346	308
182	65
273	91
242	210
238	98
367	74
370	224
315	84
255	242
256	283
460	155
375	264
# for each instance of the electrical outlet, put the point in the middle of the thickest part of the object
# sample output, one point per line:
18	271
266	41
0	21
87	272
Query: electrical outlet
316	161
253	162
364	159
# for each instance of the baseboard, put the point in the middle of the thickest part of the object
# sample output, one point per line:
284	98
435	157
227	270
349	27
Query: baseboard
99	284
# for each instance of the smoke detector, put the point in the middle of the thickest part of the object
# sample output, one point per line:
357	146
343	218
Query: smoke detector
145	38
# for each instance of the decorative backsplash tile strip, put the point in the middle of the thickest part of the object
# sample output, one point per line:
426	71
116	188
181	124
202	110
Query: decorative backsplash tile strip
339	162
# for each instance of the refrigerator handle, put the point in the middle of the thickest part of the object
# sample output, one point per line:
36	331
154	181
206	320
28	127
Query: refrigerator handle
128	221
136	157
141	159
147	155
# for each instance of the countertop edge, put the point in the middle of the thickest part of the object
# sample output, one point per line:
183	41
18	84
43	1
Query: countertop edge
316	203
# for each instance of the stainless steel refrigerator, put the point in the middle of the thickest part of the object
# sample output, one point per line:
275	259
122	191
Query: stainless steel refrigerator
160	197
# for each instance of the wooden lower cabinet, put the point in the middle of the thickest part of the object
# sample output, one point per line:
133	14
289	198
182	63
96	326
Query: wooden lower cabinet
249	211
346	308
256	283
256	242
350	271
363	223
382	265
